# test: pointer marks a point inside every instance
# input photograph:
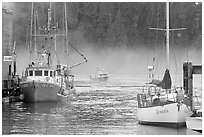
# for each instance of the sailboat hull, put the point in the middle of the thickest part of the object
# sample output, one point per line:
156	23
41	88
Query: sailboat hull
38	91
172	115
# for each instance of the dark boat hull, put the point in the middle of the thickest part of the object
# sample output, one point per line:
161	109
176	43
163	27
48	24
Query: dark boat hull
38	91
165	124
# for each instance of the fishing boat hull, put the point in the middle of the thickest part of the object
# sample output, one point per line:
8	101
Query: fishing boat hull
194	123
171	115
99	79
38	91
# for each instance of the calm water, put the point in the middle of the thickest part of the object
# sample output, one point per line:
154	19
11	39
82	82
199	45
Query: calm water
97	110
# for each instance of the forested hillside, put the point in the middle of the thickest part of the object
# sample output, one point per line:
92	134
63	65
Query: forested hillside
119	23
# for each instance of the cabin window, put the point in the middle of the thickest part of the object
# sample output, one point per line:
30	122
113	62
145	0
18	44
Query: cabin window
46	73
30	73
50	73
38	73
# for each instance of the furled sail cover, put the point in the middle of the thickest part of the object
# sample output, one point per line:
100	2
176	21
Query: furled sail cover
165	83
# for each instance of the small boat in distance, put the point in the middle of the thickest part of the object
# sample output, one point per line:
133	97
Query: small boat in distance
101	76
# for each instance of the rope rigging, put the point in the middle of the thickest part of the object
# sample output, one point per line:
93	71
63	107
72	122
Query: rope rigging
85	59
50	33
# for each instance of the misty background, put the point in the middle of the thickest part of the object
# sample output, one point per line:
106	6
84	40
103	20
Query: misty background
116	35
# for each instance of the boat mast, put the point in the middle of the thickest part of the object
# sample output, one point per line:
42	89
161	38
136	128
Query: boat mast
35	32
48	31
67	44
66	40
49	20
66	31
167	34
56	27
31	26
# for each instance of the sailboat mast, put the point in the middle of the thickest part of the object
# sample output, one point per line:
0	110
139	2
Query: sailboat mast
167	34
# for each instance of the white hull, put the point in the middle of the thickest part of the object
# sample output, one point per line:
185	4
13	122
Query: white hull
38	91
168	115
99	79
194	123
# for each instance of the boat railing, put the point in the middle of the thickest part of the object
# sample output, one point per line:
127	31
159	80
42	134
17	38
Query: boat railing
153	96
39	78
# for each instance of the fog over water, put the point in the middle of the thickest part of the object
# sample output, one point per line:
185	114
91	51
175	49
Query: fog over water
123	61
118	60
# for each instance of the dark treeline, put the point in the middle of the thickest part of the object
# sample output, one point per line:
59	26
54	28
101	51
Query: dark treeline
119	23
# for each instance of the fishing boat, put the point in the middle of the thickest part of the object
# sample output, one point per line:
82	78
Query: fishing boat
160	103
40	82
101	76
43	81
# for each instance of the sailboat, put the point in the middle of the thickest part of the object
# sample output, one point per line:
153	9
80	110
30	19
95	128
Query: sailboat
44	82
159	103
